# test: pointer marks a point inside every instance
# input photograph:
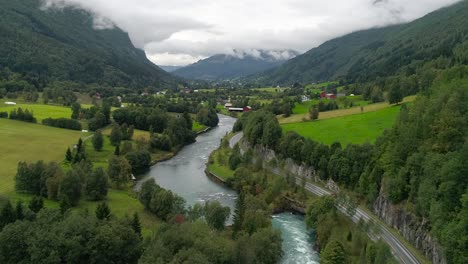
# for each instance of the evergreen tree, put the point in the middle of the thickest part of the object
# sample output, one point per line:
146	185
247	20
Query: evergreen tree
7	215
68	155
70	188
36	204
117	150
239	212
76	108
96	185
98	140
79	146
116	135
130	132
103	211
136	225
19	210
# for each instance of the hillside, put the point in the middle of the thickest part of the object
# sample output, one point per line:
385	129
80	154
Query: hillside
380	52
169	68
47	45
237	64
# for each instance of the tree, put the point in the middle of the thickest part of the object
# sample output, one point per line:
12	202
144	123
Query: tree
116	135
76	108
117	150
70	189
68	155
395	95
98	140
36	204
19	211
313	113
119	170
136	225
103	211
333	253
239	212
7	215
96	185
139	160
216	214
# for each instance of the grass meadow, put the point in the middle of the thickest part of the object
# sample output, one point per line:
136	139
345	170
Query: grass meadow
41	111
356	128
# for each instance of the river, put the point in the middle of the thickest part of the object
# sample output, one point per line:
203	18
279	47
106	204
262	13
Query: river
184	174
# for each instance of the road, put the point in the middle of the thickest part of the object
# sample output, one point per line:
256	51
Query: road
400	251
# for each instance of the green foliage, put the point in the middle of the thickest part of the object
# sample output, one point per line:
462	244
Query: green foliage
119	171
333	253
116	135
22	115
319	208
207	116
70	189
68	155
139	160
62	123
7	215
161	202
36	204
216	214
96	185
262	128
73	238
98	140
103	211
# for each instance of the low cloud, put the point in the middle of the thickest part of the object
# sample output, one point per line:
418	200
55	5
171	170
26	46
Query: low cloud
179	32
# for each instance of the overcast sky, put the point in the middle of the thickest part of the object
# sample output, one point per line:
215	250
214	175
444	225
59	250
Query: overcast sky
179	32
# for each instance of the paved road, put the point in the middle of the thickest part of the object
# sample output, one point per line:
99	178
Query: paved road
235	139
400	251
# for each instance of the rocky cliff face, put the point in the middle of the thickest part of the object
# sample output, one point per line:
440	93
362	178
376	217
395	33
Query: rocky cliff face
413	229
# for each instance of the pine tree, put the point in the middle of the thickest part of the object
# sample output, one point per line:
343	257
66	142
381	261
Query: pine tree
98	141
79	146
136	225
7	215
239	213
68	155
103	211
19	211
116	135
117	150
36	204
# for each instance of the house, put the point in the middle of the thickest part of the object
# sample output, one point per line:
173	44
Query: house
97	96
235	109
10	103
227	105
305	98
327	95
247	109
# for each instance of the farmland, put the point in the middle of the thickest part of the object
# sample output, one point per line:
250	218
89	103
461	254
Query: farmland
22	141
41	111
356	129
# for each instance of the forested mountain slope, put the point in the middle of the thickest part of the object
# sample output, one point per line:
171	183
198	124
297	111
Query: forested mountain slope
238	64
380	52
61	44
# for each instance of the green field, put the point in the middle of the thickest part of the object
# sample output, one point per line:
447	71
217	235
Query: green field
41	111
21	141
357	128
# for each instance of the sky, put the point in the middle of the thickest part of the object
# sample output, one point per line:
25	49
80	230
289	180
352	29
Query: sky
180	32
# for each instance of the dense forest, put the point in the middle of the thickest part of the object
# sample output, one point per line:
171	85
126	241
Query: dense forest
419	163
438	38
44	46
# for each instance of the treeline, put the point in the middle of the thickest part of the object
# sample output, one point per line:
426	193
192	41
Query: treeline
418	162
62	123
34	234
20	115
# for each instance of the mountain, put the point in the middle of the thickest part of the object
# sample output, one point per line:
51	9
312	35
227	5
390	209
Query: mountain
169	68
63	44
236	64
379	52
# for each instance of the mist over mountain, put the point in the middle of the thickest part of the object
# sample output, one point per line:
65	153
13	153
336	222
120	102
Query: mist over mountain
238	63
378	52
48	44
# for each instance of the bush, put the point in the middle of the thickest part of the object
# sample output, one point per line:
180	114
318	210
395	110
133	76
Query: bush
3	114
62	123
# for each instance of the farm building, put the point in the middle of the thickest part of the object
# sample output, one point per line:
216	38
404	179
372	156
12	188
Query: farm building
10	103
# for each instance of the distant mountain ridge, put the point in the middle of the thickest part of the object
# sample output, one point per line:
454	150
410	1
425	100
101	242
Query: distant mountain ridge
169	68
62	44
378	52
238	63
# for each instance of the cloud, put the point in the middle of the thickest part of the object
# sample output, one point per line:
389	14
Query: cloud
179	32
